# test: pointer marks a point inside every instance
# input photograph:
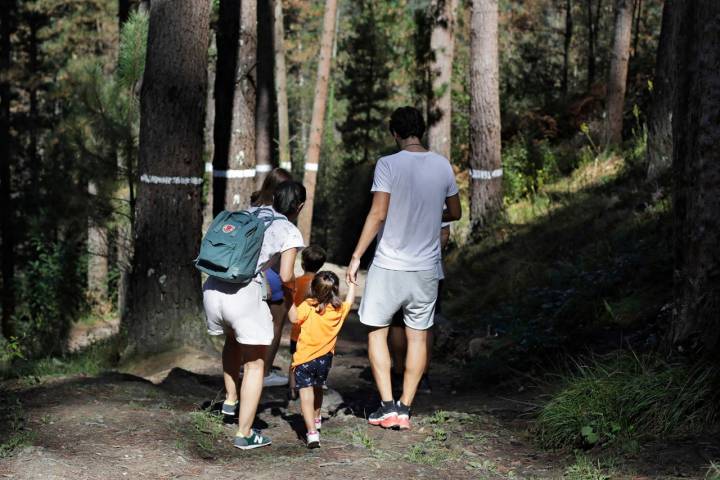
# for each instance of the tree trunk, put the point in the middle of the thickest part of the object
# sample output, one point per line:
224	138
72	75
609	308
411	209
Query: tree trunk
617	80
696	165
165	304
638	19
265	106
318	117
97	247
485	159
209	132
567	45
592	24
281	87
8	238
659	143
442	46
234	161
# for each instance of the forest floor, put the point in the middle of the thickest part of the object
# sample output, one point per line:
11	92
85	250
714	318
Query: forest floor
150	424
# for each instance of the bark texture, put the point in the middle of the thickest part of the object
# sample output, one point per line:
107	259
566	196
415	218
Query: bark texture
485	158
97	246
567	43
617	79
235	84
209	132
265	102
442	47
659	145
281	86
696	165
318	117
165	304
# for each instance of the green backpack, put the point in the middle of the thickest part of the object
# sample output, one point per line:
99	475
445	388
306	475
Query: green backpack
231	247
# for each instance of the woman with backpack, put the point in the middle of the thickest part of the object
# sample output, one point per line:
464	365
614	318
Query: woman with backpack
239	311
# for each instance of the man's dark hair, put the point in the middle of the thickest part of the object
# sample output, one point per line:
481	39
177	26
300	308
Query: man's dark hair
313	258
407	122
288	197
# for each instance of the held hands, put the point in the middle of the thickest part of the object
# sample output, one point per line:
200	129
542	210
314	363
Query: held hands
352	270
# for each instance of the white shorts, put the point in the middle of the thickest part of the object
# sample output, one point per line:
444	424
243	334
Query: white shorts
387	291
238	310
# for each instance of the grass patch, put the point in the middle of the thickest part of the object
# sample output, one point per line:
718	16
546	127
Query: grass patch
622	398
17	435
360	438
587	469
94	359
205	432
432	451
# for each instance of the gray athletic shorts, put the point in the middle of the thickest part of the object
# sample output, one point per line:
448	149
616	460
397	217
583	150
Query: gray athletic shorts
238	310
387	291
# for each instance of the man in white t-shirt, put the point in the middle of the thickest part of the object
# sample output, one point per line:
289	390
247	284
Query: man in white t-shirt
410	190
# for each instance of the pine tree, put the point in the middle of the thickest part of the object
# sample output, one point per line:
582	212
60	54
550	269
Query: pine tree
366	86
165	308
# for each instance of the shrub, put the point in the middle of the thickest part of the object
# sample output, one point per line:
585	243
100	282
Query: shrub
49	296
528	165
626	397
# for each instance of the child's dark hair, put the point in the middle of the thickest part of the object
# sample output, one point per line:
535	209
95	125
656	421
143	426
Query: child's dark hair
407	122
313	258
288	197
325	290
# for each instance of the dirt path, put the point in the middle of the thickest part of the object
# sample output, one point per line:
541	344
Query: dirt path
119	425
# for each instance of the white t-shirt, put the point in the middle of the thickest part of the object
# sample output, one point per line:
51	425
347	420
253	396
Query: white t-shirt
418	184
281	235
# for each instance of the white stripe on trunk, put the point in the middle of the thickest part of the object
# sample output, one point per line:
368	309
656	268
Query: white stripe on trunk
247	173
486	174
157	180
311	167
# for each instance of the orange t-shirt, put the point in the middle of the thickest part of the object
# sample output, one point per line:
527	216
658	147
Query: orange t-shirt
302	289
318	333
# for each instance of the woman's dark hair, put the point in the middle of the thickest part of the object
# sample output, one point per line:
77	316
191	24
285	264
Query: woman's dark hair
288	197
325	290
407	122
313	258
264	196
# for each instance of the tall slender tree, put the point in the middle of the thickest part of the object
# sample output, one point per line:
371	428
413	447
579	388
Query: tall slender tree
696	168
318	116
485	158
659	143
567	43
8	237
265	98
235	83
165	307
617	79
281	86
442	46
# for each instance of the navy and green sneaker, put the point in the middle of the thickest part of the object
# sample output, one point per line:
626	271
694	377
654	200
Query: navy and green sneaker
230	408
255	440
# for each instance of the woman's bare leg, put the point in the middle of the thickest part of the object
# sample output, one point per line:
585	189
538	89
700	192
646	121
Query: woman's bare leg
253	358
231	361
279	314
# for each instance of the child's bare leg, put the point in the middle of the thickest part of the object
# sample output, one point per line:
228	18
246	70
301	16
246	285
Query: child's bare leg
291	382
317	404
307	407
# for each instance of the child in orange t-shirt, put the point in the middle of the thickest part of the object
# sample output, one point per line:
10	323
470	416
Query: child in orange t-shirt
320	318
312	259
